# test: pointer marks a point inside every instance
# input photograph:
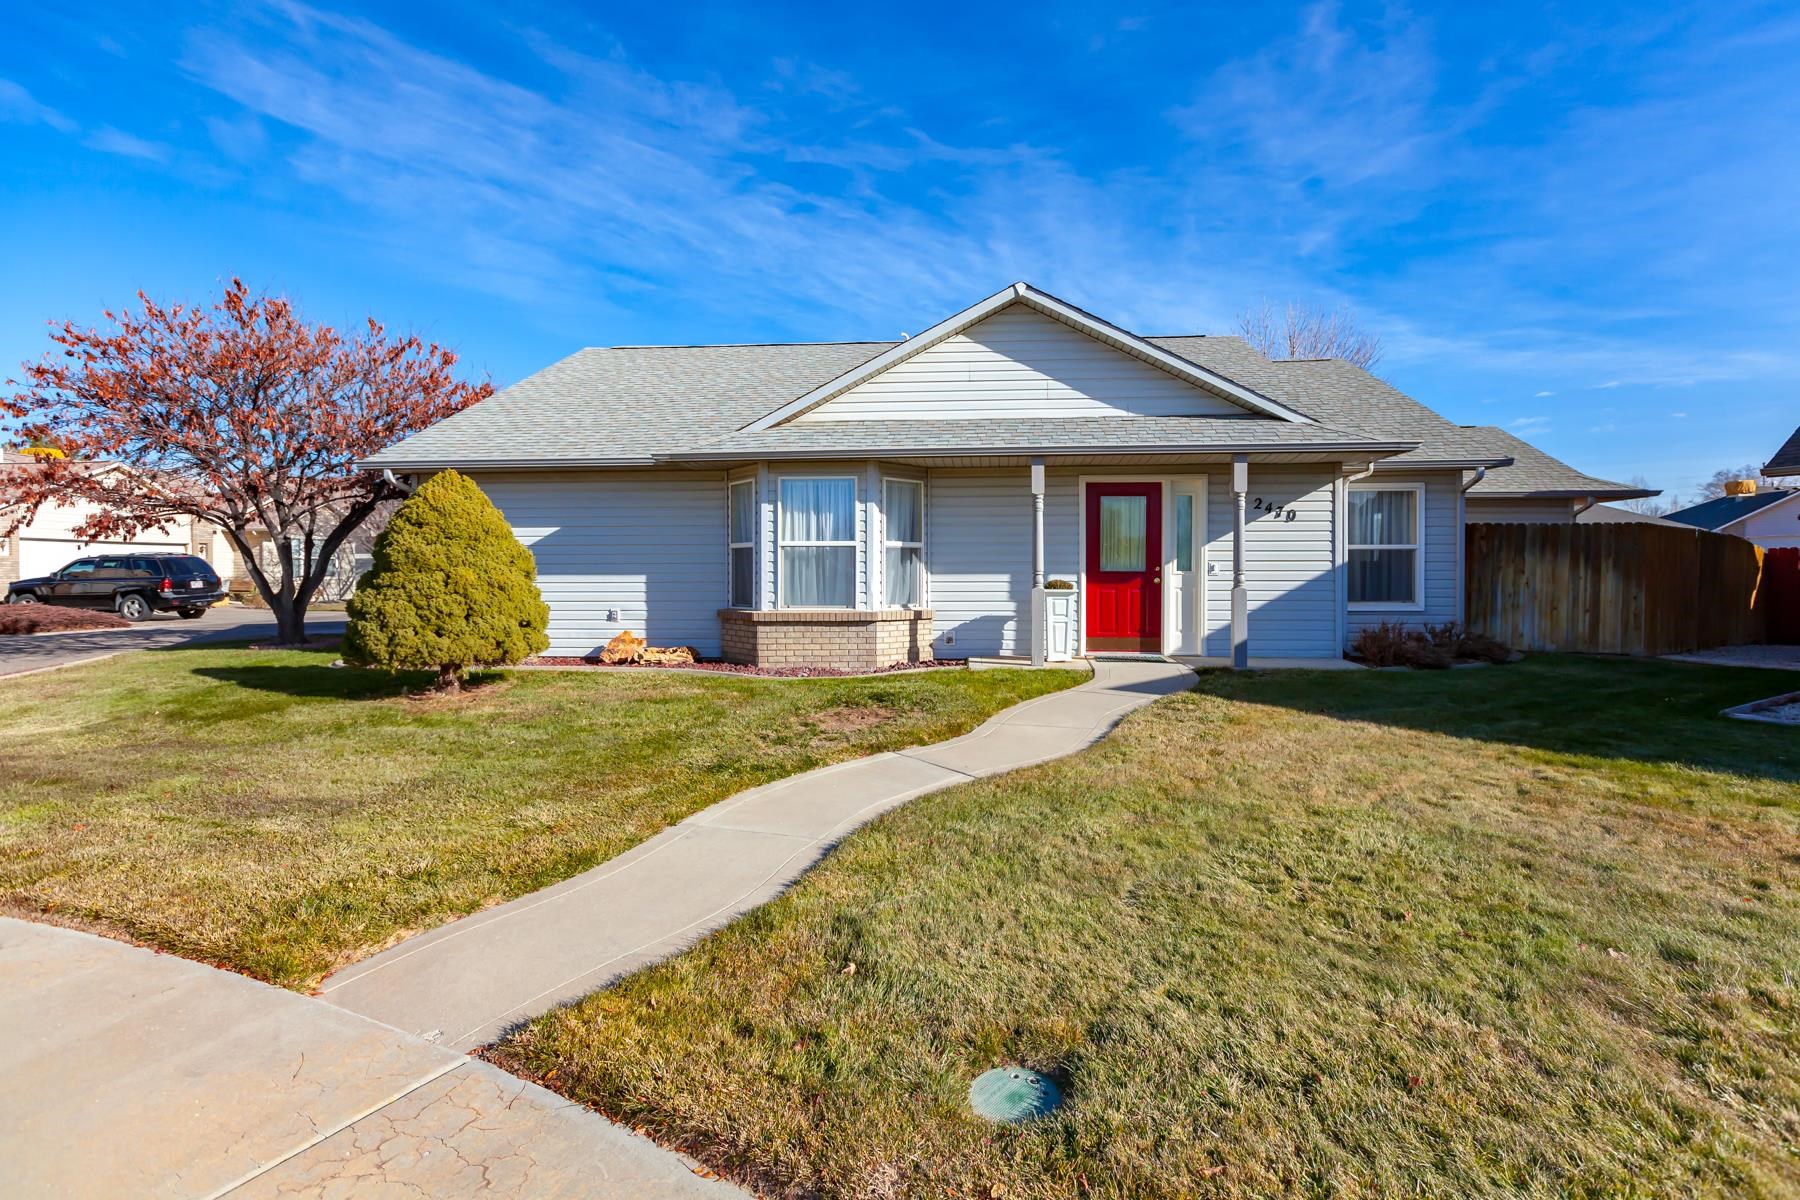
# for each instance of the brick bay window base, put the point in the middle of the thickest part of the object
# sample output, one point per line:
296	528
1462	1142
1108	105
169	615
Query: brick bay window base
846	639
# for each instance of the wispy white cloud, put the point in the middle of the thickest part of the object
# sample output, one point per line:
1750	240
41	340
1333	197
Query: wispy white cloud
1529	425
1542	395
116	141
18	105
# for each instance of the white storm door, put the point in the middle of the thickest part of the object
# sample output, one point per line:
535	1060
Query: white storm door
1186	515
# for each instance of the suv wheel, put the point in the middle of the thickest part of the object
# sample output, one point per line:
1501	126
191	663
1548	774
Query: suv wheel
193	614
133	607
22	598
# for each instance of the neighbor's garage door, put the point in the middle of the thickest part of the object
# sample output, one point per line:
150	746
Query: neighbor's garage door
40	556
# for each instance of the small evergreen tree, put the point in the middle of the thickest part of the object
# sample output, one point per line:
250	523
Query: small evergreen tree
451	587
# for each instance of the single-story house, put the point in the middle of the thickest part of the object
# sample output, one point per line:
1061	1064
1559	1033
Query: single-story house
1536	488
48	541
1786	462
861	503
1607	514
1771	519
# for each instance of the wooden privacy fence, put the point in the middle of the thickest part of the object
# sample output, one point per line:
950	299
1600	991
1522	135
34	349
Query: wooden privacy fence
1613	589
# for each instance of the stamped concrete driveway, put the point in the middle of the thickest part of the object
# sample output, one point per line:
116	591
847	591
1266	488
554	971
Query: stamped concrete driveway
235	623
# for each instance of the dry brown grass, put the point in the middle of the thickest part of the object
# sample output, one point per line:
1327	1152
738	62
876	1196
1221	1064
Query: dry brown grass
1528	931
266	812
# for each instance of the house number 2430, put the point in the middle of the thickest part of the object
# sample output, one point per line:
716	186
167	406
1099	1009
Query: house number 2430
1280	512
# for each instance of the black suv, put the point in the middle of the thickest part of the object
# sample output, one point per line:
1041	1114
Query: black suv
132	585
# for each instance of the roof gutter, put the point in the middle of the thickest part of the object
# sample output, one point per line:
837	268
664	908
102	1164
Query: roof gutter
1030	451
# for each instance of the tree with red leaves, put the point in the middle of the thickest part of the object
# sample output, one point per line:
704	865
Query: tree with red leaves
240	416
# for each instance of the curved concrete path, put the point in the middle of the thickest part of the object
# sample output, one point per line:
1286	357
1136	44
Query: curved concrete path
132	1073
464	984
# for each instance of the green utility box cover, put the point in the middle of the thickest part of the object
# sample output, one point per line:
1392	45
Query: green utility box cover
1013	1094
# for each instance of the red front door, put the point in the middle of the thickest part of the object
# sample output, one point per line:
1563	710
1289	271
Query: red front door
1124	567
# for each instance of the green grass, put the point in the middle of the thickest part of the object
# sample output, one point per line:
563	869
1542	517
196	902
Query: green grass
1525	931
271	814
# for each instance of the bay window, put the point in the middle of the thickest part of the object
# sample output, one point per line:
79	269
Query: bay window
1383	546
817	542
742	504
903	508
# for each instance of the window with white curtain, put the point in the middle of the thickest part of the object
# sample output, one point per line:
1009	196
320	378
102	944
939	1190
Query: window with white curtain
817	538
1383	544
742	503
903	510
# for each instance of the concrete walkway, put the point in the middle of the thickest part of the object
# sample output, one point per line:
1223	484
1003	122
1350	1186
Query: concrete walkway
132	1073
466	983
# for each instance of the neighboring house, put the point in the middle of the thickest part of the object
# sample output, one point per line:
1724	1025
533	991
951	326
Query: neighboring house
1537	488
1786	462
1606	514
353	557
867	502
1770	519
48	542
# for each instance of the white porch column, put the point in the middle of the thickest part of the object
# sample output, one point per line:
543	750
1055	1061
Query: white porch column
1240	600
1040	632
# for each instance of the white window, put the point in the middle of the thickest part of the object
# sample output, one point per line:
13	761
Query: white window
903	514
1386	564
742	503
817	528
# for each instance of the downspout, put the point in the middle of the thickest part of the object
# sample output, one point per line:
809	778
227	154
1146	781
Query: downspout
1480	474
1591	501
388	477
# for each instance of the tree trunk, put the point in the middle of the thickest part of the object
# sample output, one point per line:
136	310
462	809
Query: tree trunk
290	619
449	678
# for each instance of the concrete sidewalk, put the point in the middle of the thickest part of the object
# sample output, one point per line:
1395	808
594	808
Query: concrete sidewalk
466	983
132	1073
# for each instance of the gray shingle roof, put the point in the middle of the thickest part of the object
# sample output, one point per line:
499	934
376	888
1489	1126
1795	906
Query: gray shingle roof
1534	473
639	404
1067	434
627	404
1787	459
1341	394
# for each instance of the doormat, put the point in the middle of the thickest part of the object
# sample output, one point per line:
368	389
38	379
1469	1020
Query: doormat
1124	656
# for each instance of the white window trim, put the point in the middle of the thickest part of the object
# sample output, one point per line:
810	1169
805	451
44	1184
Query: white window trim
1417	546
782	543
887	542
731	547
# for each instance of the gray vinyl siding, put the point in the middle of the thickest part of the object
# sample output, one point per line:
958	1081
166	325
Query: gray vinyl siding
1442	546
1521	512
1020	363
978	556
650	544
1289	566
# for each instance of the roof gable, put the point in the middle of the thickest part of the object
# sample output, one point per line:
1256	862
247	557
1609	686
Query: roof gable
1020	364
1025	296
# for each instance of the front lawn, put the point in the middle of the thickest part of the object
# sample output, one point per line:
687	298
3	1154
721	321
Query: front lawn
267	812
1525	931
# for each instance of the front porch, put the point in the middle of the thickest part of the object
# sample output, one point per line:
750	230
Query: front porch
1037	559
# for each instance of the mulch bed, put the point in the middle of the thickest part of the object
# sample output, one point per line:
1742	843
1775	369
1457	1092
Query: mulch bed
46	618
725	668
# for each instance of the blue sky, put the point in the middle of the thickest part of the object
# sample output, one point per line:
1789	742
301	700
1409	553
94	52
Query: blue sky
1577	222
